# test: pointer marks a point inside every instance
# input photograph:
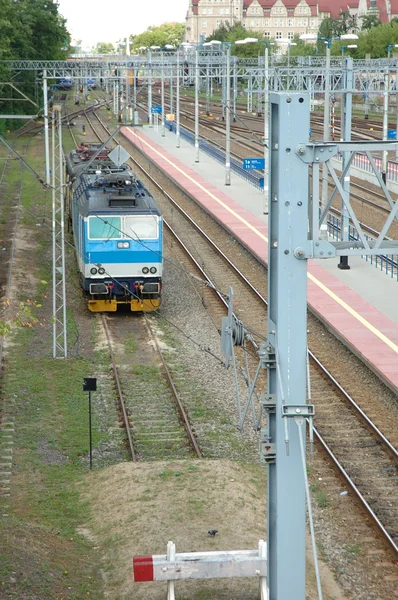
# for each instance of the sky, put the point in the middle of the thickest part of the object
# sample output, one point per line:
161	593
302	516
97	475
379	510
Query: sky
93	21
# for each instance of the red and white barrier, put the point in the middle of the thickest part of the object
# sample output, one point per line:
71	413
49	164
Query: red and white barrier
171	567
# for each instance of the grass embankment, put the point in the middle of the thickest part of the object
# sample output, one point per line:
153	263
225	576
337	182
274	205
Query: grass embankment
41	555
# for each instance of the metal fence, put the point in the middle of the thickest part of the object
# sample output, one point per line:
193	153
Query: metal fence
253	177
362	162
388	264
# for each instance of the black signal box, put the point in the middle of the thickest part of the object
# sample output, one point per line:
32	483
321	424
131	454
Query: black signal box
89	384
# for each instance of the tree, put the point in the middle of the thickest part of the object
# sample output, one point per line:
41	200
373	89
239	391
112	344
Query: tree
104	48
168	33
329	28
375	41
370	21
228	33
30	29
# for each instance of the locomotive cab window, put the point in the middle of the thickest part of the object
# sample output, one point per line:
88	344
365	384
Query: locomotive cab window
104	228
142	227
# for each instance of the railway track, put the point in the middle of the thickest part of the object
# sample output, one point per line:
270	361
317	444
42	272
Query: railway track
365	456
151	412
240	146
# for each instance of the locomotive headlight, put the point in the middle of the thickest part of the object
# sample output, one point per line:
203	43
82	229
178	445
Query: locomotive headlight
153	270
123	244
101	271
93	271
145	270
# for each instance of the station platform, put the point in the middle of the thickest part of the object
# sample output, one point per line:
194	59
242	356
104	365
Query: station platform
359	305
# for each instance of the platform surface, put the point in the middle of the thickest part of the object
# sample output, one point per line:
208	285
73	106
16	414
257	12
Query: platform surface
360	304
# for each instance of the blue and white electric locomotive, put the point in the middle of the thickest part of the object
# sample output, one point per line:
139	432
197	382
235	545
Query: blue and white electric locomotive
117	230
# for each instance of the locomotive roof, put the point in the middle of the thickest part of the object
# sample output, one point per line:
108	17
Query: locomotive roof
77	160
116	193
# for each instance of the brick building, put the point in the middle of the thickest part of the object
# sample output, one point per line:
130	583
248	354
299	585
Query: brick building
280	19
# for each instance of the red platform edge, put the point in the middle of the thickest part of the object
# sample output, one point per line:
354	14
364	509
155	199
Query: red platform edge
364	329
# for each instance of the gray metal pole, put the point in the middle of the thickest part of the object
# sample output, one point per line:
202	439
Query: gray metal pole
178	100
207	90
346	121
396	101
54	237
235	91
228	119
46	133
287	347
266	114
385	123
134	89
171	89
197	104
223	97
162	99
149	89
326	127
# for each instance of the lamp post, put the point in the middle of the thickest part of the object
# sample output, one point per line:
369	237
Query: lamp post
197	103
184	45
150	88
162	96
349	46
288	43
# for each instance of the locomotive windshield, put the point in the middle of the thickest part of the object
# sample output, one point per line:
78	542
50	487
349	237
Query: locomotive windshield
142	227
105	228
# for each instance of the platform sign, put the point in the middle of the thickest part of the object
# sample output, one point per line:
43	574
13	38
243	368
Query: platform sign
156	110
392	134
119	156
170	117
251	164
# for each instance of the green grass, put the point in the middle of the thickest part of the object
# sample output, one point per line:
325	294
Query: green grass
322	499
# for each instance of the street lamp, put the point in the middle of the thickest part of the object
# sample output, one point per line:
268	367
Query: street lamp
349	46
288	43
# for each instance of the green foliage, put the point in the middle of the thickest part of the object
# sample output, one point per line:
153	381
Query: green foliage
23	318
104	48
370	21
228	33
375	41
168	33
30	30
329	28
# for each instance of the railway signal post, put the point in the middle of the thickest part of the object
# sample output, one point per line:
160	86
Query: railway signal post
90	385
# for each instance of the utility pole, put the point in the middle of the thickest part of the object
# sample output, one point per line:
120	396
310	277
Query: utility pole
385	123
285	352
197	103
326	126
228	118
46	132
346	122
60	348
162	98
149	88
178	100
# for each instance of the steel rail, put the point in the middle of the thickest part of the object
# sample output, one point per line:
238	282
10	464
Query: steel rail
383	440
119	390
179	404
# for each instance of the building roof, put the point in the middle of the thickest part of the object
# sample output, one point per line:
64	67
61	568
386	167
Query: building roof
333	7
